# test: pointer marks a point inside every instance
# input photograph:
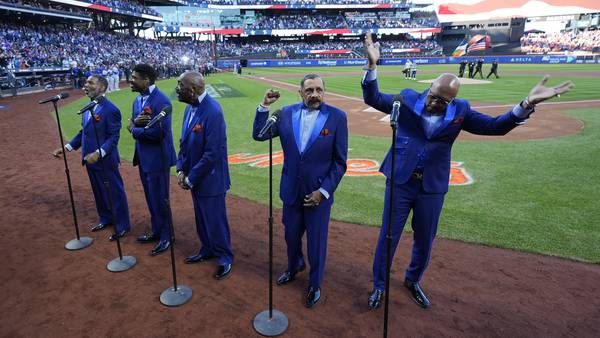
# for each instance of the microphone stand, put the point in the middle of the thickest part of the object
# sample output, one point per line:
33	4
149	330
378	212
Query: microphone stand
79	242
271	322
121	263
388	234
178	294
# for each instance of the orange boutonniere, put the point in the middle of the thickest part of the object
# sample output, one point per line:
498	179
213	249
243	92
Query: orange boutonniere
325	132
96	117
197	128
457	120
147	110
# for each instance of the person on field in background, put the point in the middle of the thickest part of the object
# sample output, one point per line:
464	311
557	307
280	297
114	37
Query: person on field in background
494	69
428	124
461	68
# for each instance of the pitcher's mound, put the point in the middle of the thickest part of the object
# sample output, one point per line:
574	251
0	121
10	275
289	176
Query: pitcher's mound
463	80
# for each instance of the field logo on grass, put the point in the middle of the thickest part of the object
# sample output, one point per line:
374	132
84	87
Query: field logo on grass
355	167
218	90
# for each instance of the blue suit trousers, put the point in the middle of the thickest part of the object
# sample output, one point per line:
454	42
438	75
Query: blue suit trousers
119	198
212	226
315	222
426	214
154	190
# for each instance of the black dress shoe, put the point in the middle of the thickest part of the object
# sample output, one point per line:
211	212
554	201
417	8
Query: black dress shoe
223	271
417	294
313	296
287	276
198	258
160	247
99	226
148	238
116	235
375	299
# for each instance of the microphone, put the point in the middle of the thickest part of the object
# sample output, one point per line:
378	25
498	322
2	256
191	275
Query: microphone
54	98
92	104
165	111
270	122
397	99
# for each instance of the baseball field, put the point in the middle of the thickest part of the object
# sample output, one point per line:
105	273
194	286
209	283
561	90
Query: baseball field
534	190
517	253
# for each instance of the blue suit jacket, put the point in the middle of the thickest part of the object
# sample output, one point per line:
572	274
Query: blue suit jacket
203	148
108	125
411	138
323	162
147	146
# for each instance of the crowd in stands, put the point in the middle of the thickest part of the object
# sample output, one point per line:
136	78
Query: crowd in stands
289	49
293	2
541	42
132	6
127	5
356	20
52	6
47	46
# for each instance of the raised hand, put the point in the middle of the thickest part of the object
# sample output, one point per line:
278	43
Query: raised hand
541	93
270	97
371	50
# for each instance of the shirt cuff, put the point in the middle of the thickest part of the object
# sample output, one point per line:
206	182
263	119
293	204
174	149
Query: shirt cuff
521	114
187	181
262	109
102	153
324	192
370	75
68	147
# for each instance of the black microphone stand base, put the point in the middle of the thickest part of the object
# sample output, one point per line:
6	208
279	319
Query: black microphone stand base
78	244
120	265
172	297
270	327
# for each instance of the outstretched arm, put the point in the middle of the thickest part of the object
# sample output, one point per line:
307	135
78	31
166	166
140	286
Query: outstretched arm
370	89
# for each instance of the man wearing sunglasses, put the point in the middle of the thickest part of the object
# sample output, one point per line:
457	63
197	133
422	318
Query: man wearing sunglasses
428	124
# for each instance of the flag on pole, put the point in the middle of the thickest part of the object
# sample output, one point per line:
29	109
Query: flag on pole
461	49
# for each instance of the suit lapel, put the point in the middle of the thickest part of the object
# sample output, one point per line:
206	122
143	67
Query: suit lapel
296	115
187	125
318	126
89	117
137	106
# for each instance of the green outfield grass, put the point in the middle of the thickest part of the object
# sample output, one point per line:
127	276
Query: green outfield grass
538	196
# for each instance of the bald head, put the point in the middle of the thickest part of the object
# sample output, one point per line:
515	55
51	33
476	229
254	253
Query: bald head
443	90
448	83
193	78
190	85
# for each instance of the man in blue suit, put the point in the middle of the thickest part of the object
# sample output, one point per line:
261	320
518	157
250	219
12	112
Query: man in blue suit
314	138
107	118
428	124
148	154
202	168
